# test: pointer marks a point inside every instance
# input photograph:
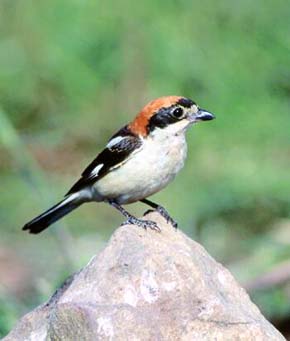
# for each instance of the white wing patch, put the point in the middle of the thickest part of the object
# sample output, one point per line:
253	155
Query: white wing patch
96	170
115	141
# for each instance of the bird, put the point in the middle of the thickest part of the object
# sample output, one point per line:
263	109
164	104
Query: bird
139	160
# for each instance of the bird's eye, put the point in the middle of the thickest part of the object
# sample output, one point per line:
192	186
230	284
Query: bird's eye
178	112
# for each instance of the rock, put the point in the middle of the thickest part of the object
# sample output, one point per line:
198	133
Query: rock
147	285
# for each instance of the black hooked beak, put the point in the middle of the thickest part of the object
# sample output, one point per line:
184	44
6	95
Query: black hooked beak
204	115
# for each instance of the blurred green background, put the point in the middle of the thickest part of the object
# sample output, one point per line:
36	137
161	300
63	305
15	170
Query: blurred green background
73	71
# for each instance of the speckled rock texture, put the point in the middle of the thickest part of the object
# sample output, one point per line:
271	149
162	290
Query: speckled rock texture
147	285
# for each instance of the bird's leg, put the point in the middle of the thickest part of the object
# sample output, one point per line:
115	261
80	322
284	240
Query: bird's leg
162	211
133	220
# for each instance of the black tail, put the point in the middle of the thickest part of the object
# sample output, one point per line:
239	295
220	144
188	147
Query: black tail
56	212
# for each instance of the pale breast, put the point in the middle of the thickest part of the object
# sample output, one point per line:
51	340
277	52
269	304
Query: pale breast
147	172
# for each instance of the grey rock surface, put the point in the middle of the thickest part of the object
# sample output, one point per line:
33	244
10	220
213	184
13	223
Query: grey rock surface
147	285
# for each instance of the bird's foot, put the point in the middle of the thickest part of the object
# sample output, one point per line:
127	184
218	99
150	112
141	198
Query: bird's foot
166	216
142	223
162	211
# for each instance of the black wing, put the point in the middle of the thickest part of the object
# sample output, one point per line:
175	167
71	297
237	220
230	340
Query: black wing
118	151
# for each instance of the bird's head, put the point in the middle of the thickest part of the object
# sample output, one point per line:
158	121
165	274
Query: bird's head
171	112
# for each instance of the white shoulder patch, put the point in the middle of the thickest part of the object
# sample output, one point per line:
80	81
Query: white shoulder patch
96	170
114	141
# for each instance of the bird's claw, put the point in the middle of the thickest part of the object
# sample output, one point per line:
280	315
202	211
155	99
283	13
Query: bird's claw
167	217
150	224
142	223
162	211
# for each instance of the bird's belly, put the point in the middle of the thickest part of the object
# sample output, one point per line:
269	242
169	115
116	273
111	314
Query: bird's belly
146	173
